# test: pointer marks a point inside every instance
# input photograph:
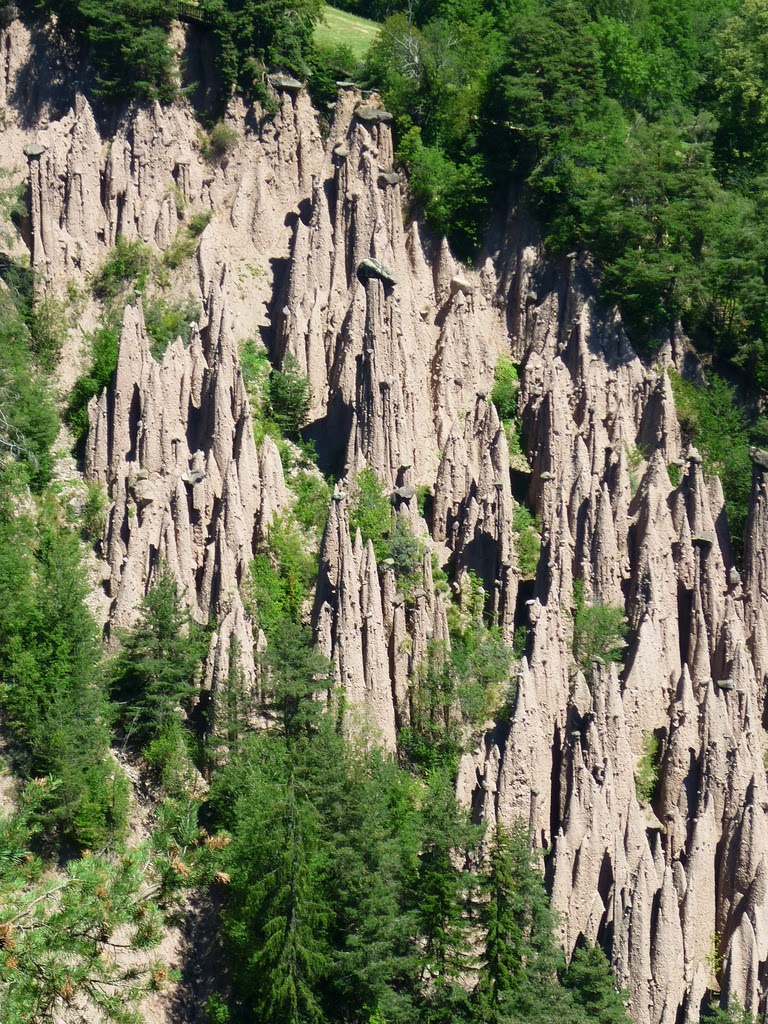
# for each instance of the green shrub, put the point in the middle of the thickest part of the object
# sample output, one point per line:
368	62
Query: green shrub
168	758
219	141
183	247
281	576
313	497
405	551
48	328
647	772
370	512
289	397
712	417
527	541
481	660
128	263
94	511
505	388
330	64
598	631
216	1010
675	474
453	195
166	321
105	344
199	222
423	497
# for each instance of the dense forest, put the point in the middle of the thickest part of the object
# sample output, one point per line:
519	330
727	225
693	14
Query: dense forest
352	887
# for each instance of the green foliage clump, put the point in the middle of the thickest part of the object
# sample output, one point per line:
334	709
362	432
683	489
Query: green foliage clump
48	328
52	692
714	420
216	143
183	247
28	421
288	397
94	511
588	978
527	541
198	222
128	263
330	63
452	195
647	772
128	42
157	668
60	929
256	368
166	321
454	690
313	497
281	575
505	388
370	512
405	551
253	36
105	343
598	631
733	1014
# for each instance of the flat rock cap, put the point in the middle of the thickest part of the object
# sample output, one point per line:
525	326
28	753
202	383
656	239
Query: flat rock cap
285	82
372	115
369	268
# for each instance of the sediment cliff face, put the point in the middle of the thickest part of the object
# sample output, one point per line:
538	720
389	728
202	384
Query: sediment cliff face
400	343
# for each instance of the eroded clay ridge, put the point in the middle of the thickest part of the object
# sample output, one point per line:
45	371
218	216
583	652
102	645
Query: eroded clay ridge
400	343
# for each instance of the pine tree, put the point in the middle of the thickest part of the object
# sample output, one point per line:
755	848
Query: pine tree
276	918
228	711
520	976
589	979
298	674
370	832
159	663
443	891
62	932
52	689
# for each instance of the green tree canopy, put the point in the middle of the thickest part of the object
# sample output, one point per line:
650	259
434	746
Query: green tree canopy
158	665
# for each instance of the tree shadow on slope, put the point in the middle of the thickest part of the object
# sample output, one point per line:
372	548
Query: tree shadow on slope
201	961
49	80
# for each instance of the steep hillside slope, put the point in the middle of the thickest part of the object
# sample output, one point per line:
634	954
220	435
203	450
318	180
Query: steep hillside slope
400	342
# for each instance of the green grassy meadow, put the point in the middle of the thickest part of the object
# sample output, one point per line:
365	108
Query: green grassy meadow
341	27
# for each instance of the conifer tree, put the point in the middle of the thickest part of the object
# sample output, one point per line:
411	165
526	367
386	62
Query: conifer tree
52	690
588	977
297	675
158	666
443	888
276	917
520	977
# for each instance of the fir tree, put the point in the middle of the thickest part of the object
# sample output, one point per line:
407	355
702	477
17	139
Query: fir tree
158	666
298	674
588	977
443	890
520	976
